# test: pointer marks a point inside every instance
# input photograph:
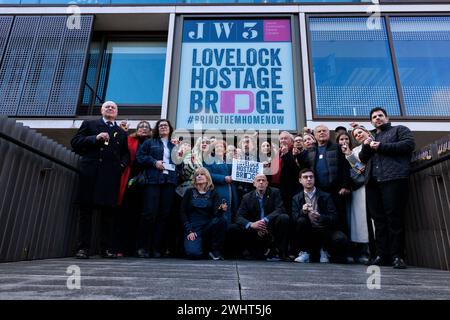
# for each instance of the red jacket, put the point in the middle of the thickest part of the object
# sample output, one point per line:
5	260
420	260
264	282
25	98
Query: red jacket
132	147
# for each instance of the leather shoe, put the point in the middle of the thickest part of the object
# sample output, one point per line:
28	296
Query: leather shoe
82	254
398	263
109	255
378	261
142	253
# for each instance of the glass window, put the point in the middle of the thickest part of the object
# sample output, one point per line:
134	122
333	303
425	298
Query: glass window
422	50
94	54
135	72
352	67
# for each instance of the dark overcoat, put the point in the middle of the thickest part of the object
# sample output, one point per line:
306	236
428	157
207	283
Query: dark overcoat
101	164
249	209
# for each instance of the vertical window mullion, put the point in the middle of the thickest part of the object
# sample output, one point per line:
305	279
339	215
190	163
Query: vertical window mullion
97	76
395	67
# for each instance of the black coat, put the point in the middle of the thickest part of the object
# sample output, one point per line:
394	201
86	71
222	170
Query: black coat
393	154
338	167
101	165
249	208
325	206
290	169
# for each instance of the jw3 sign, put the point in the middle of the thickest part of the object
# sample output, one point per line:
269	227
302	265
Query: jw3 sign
236	74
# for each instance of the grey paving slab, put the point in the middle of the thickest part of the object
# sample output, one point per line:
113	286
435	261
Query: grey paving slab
330	281
167	279
120	279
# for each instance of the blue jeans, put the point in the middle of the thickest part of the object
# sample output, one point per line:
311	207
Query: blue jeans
209	234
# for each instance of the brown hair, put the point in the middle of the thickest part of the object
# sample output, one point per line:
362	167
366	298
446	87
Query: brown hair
155	132
134	134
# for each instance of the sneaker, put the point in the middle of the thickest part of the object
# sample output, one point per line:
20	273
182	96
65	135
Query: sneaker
324	256
303	257
215	255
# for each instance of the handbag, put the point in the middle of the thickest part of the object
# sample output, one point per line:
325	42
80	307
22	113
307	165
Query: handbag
138	180
358	178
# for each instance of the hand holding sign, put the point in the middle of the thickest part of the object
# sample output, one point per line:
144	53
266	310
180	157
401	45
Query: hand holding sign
245	171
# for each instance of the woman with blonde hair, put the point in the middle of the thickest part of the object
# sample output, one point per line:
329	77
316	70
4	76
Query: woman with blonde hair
361	231
202	217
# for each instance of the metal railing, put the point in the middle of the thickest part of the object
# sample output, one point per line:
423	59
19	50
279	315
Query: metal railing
38	187
427	220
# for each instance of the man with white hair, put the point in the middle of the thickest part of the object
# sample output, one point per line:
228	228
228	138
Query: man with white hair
331	171
103	148
291	161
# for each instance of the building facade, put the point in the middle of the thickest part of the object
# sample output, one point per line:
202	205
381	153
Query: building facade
226	65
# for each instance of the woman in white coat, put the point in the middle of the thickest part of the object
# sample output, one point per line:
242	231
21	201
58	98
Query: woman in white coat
361	230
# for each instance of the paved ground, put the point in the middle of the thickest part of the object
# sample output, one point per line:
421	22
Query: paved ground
134	278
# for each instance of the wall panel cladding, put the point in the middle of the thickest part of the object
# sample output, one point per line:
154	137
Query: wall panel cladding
42	68
69	73
38	188
5	27
42	65
15	62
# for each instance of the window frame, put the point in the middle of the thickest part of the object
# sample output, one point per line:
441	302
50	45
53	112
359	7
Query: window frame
386	15
297	67
132	111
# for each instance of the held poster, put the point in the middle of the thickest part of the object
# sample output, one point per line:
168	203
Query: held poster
236	74
245	171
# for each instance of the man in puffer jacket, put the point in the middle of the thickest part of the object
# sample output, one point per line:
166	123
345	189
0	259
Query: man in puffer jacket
388	160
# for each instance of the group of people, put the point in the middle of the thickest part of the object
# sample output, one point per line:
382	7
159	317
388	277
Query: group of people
316	200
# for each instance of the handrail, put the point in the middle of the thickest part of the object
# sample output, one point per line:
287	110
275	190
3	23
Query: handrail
430	163
38	152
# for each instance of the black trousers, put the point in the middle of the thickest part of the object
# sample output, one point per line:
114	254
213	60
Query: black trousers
249	239
341	208
127	221
107	217
386	202
312	239
174	243
157	204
